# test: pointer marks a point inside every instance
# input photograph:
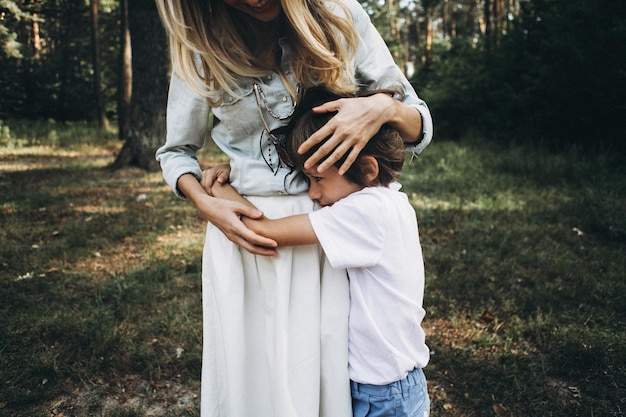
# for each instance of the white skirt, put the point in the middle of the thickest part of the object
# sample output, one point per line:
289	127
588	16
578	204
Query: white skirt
275	329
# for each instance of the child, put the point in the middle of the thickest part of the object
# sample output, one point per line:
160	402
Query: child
367	226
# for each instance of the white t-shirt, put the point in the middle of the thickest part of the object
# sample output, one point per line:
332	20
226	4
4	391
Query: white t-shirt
373	233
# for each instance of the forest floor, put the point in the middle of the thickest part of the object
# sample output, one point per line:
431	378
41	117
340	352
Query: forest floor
100	279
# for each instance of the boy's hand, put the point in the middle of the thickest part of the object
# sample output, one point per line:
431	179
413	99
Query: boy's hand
218	174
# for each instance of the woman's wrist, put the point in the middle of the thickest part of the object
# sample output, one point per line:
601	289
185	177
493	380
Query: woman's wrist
407	121
191	188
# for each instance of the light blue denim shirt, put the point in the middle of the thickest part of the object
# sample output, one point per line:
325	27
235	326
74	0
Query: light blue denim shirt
238	129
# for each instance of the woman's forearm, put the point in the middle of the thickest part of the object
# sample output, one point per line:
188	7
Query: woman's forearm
225	190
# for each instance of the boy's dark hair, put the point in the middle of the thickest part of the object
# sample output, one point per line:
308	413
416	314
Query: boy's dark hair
386	146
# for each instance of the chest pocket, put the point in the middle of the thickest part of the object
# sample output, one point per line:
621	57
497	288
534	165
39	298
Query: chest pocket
238	114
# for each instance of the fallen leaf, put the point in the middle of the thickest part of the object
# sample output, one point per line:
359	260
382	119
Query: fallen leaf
575	391
487	316
499	409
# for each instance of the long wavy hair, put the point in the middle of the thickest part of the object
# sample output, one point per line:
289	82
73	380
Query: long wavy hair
211	44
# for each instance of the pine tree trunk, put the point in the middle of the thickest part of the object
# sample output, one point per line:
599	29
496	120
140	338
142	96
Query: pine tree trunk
36	38
429	37
103	121
488	24
124	90
146	130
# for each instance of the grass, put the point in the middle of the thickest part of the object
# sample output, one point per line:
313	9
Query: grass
100	280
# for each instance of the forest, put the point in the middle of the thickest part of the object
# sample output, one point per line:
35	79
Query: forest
514	70
520	199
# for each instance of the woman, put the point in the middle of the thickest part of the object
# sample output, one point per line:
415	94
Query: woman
274	327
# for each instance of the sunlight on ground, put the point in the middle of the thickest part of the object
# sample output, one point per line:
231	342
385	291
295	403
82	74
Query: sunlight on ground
502	201
131	254
119	241
45	157
91	209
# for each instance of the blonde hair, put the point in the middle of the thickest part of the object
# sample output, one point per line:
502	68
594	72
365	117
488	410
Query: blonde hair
208	52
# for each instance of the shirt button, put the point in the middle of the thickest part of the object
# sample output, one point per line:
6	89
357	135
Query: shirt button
284	99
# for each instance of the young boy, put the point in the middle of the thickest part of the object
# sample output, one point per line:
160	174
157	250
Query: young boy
368	227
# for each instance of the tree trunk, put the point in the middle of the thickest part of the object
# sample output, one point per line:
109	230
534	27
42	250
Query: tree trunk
481	18
146	130
64	51
392	20
124	90
445	20
429	37
487	17
36	38
407	60
103	122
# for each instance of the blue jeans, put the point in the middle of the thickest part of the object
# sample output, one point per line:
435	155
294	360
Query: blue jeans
405	398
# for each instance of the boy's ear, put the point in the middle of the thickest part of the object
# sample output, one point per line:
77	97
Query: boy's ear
369	169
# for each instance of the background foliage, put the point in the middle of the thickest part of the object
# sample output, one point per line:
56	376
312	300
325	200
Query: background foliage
547	70
53	77
556	76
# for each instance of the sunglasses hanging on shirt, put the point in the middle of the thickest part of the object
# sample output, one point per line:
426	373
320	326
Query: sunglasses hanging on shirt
277	139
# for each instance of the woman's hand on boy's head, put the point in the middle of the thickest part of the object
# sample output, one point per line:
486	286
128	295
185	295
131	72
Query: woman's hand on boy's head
356	122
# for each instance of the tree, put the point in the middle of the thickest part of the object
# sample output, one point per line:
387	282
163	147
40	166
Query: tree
124	86
8	38
103	121
150	82
394	20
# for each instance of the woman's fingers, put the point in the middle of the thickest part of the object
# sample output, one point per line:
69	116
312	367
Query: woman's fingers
325	131
219	173
226	216
352	156
251	241
246	238
346	133
333	153
256	244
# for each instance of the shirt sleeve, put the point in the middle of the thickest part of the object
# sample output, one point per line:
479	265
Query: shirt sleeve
352	231
376	67
187	126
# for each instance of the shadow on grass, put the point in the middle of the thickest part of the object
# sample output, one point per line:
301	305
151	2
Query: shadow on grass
525	316
65	330
524	294
525	279
100	278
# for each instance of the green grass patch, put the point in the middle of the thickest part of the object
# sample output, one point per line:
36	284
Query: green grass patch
525	267
16	134
525	279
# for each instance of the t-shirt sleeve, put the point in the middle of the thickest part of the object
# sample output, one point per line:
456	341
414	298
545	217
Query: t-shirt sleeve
351	231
